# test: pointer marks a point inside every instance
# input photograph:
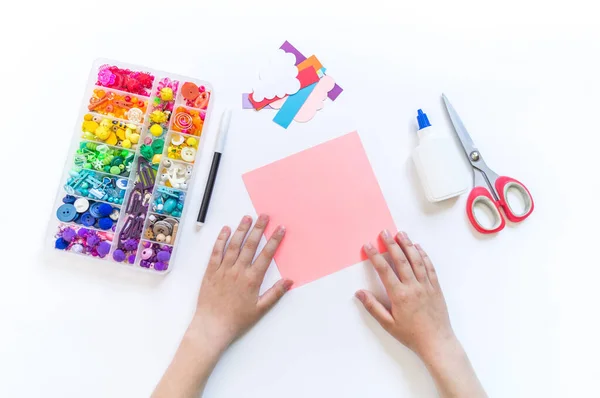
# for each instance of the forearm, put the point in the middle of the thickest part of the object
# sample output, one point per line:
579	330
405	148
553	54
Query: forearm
452	371
191	367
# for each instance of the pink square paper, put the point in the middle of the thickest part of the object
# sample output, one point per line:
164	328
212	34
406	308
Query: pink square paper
330	203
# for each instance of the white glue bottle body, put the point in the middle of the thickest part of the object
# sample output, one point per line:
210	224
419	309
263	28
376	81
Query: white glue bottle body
438	164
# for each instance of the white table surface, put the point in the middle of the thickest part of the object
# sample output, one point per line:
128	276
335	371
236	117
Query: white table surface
523	76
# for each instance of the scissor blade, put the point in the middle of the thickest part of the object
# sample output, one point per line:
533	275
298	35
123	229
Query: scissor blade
459	127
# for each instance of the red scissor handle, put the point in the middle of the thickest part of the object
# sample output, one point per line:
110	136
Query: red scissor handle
481	195
503	185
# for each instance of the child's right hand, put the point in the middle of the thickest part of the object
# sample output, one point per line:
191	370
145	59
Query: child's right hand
418	316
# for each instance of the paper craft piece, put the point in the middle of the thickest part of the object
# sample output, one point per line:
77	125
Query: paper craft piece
330	202
335	92
306	77
277	78
292	105
315	100
278	104
289	48
310	61
246	104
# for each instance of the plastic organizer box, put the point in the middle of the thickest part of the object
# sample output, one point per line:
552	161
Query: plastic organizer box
123	192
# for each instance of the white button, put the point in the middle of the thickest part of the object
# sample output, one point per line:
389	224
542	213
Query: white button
188	154
81	205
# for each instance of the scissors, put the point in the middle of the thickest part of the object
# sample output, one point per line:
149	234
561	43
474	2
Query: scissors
490	189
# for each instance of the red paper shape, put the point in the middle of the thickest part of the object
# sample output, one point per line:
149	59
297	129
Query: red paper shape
330	202
306	77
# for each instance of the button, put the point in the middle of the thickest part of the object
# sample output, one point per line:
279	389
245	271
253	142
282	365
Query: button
81	205
94	210
66	212
171	221
190	91
87	219
69	199
162	227
122	183
188	154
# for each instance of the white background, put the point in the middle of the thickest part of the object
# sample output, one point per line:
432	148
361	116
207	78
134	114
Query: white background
524	78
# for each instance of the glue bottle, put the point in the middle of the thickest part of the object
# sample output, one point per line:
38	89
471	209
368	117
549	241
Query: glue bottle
438	163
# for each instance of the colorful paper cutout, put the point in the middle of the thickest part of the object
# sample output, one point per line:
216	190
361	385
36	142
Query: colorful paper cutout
330	202
315	100
277	78
292	105
308	62
306	77
289	48
246	104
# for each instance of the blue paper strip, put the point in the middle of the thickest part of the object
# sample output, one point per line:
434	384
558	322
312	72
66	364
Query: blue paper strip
292	106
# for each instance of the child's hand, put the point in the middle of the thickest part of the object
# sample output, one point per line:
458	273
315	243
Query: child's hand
229	301
418	316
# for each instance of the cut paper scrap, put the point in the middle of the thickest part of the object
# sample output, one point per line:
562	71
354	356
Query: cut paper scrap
330	202
306	77
292	106
289	48
308	62
316	100
246	104
277	78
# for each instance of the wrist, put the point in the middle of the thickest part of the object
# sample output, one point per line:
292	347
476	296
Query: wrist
207	338
441	354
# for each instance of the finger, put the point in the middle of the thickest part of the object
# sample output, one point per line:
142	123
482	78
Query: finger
386	273
375	308
401	264
249	249
272	296
263	260
414	258
233	250
431	273
216	257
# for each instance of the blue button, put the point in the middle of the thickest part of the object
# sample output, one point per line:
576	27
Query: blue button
95	210
69	199
87	219
66	212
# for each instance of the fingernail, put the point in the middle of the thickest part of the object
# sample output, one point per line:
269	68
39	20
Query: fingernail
280	230
404	235
360	295
262	219
224	232
418	246
287	285
385	234
246	220
368	247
